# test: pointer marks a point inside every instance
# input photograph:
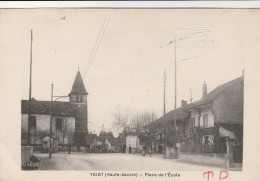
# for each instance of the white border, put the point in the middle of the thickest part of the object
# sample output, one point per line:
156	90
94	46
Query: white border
130	4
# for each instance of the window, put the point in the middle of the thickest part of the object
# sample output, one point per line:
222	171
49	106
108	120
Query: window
205	121
199	121
77	99
32	123
193	121
207	140
81	99
58	124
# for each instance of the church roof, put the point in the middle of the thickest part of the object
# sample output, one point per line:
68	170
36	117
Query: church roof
44	107
78	85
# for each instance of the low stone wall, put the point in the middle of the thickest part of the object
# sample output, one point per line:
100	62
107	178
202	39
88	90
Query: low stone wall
26	153
204	158
171	153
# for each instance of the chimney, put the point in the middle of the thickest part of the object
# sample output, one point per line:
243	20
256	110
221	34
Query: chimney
183	103
204	89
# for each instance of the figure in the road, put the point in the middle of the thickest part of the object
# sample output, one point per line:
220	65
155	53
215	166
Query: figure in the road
69	149
144	150
150	150
130	149
78	147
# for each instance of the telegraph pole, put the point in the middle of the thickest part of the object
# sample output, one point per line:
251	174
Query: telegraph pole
164	110
175	87
175	101
30	92
164	91
190	95
50	148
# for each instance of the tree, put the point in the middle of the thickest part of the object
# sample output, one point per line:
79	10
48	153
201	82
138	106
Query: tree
122	119
66	130
134	122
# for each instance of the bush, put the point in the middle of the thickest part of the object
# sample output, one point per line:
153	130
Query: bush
31	164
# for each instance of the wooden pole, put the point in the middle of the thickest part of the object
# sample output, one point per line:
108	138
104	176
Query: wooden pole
164	87
175	101
30	91
50	148
164	112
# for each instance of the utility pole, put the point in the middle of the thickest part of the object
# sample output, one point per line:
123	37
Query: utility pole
190	96
175	101
50	148
30	92
175	94
164	91
164	110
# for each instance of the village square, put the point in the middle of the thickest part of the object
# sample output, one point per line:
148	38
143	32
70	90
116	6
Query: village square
209	128
159	103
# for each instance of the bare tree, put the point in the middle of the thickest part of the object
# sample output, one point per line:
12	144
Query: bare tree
122	119
135	122
66	129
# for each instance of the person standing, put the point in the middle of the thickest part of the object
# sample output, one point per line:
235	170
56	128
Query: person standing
69	148
78	147
144	150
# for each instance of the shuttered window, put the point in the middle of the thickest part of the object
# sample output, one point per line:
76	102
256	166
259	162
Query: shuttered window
205	121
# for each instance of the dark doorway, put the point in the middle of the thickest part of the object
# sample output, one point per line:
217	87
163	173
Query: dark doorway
222	145
58	124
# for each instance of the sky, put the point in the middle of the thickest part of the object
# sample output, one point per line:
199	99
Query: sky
127	69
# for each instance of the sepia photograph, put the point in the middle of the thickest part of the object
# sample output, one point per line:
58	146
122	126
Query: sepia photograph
126	90
120	104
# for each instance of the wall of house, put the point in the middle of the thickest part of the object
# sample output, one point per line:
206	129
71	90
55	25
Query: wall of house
108	145
43	122
199	117
43	127
132	140
228	108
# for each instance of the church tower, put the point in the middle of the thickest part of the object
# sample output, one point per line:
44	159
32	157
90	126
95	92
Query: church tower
78	96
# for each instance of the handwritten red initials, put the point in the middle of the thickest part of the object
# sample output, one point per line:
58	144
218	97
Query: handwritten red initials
223	174
208	172
223	177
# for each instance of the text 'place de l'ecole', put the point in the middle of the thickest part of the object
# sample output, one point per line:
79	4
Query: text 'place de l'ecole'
208	134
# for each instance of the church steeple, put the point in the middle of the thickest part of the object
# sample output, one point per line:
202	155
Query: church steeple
78	92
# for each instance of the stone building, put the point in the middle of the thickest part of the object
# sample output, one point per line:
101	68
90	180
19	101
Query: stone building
162	128
70	119
208	124
217	118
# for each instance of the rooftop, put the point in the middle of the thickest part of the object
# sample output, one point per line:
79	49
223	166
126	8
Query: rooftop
78	85
215	93
179	113
44	107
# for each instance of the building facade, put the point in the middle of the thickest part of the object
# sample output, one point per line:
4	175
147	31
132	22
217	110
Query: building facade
216	118
69	121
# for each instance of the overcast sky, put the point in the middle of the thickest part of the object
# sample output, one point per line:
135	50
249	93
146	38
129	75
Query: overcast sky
127	69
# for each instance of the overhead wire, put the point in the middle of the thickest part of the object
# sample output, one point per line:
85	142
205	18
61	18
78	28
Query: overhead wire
100	40
100	32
